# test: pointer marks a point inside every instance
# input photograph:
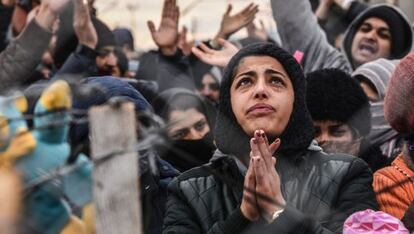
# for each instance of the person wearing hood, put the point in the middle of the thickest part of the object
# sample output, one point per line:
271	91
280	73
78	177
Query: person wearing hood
381	31
244	188
341	115
373	77
189	122
394	185
209	85
154	172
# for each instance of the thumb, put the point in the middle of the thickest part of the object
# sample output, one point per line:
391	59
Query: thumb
229	7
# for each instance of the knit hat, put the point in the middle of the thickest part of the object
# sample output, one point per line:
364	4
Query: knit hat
333	95
298	134
105	35
378	73
373	222
400	29
399	101
124	36
101	90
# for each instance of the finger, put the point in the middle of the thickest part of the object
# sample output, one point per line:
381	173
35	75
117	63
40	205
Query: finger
262	25
228	45
254	147
151	27
183	34
228	10
254	11
246	9
201	55
250	180
260	169
206	49
274	146
264	148
165	8
177	14
274	160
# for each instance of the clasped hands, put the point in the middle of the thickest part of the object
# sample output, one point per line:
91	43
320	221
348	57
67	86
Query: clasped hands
262	195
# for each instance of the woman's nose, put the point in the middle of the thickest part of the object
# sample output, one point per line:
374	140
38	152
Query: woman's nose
260	89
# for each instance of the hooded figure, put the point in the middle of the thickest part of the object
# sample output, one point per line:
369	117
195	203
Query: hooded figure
394	185
364	40
374	77
341	114
189	122
263	82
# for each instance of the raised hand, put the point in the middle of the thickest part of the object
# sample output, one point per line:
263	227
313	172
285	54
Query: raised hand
84	29
268	189
167	34
254	31
55	5
233	23
216	57
183	42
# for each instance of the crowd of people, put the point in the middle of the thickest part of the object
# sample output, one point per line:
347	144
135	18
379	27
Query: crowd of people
312	133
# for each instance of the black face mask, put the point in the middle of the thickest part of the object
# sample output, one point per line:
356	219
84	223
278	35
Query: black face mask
187	154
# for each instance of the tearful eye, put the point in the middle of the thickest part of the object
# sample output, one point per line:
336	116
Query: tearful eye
244	82
277	81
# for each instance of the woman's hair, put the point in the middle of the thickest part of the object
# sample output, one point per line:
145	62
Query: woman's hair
183	102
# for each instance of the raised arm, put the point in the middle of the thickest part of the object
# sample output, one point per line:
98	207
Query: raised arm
299	30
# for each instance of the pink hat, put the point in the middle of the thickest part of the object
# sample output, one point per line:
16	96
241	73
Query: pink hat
373	222
399	98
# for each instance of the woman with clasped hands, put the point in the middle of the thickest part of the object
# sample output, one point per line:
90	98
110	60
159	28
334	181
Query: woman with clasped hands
267	175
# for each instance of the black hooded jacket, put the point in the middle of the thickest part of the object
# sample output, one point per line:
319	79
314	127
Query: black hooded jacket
321	190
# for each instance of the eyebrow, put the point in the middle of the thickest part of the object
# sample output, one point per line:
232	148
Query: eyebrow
267	72
380	28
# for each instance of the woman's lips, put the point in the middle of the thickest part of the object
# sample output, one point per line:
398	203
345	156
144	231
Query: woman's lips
260	109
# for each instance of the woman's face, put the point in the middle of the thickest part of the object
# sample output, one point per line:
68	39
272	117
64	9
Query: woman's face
262	95
187	125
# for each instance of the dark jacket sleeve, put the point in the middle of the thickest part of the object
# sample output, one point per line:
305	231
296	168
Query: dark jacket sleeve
179	218
82	62
174	72
20	58
5	19
356	194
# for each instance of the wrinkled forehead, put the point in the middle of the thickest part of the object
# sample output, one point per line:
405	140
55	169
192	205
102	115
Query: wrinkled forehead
258	62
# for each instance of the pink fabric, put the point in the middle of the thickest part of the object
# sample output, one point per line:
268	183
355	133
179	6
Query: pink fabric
298	55
373	222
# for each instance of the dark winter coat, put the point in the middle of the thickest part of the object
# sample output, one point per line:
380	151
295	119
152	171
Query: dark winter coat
168	71
321	192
